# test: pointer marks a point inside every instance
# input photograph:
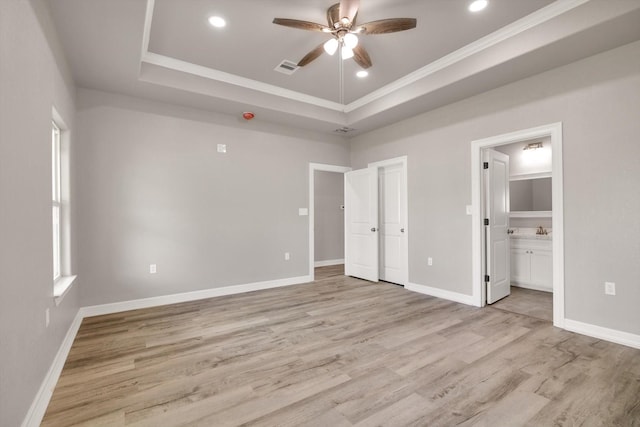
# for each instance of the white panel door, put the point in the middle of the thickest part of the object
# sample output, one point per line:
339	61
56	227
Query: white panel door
497	238
392	231
361	224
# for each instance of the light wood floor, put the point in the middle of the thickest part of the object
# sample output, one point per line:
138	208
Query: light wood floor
528	302
340	352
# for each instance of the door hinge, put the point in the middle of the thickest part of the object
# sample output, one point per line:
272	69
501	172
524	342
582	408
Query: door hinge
485	165
486	278
486	221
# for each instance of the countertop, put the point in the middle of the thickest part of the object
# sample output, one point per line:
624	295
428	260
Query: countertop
531	236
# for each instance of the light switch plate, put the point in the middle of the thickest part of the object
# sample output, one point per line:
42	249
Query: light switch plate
469	211
303	211
609	288
222	148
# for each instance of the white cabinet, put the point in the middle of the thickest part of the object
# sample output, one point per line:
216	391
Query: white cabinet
532	264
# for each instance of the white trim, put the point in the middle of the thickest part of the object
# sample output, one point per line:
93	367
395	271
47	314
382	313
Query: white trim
553	130
146	34
536	175
41	401
403	161
528	22
117	307
61	287
532	20
441	293
532	287
612	335
243	82
312	217
531	214
328	262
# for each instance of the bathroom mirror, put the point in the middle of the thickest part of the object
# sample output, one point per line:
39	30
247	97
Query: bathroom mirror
530	195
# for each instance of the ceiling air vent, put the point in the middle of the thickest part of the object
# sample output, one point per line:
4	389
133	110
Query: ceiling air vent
344	129
287	67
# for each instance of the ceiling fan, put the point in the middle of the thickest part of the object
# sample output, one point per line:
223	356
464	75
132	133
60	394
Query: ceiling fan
341	19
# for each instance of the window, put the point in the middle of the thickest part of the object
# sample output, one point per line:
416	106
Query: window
56	205
60	211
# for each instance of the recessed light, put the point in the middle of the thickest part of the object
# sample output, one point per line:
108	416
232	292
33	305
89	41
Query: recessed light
217	21
362	74
478	5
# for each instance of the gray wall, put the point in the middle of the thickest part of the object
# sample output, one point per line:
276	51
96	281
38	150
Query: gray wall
597	100
153	189
329	218
31	81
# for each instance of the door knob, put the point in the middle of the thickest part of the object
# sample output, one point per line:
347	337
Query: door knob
402	230
373	229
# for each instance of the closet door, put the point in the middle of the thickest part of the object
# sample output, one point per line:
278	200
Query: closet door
361	224
392	227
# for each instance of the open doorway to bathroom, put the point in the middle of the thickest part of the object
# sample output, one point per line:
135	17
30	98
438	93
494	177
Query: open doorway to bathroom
530	231
517	222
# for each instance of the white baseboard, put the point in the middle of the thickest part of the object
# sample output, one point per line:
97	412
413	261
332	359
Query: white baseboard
441	293
618	337
41	401
328	262
532	287
98	310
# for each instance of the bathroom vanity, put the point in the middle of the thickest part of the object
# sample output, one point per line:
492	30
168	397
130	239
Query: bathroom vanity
532	262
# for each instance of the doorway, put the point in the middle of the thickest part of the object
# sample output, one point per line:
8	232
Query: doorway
376	242
313	167
479	256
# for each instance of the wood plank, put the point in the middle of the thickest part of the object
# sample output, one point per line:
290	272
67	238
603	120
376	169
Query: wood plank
340	351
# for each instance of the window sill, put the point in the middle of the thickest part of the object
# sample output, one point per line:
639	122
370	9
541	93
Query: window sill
61	287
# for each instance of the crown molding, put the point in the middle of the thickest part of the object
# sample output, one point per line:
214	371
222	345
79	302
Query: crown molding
528	22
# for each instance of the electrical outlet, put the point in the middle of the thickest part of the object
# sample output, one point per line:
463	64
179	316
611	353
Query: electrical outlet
153	269
609	288
47	318
287	256
429	261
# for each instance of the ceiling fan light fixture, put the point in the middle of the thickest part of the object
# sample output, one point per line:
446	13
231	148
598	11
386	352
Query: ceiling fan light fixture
346	52
217	21
331	46
362	74
478	5
350	40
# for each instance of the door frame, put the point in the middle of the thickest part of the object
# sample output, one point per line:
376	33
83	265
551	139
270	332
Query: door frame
402	160
554	131
312	189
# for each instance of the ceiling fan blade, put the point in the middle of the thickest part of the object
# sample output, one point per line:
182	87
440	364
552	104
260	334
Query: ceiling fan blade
315	53
302	25
349	9
333	15
361	57
385	26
